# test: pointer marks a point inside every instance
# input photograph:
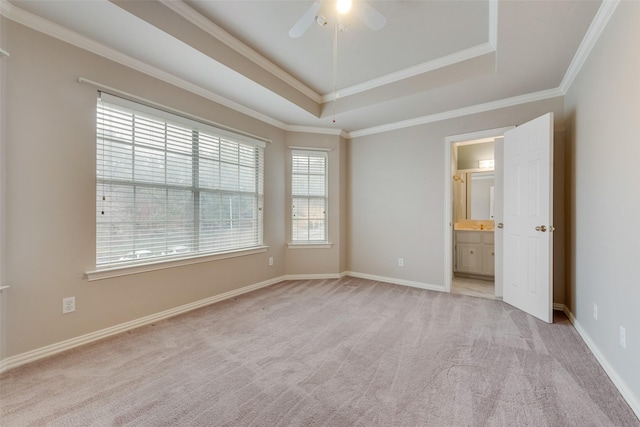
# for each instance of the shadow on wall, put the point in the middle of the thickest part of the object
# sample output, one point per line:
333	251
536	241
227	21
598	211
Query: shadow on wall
569	210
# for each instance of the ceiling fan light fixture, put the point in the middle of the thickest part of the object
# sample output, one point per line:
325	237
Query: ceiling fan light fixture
343	6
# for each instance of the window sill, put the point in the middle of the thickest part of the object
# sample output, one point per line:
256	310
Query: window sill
125	270
326	245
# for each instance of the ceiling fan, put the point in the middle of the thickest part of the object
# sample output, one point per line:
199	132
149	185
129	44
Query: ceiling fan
363	10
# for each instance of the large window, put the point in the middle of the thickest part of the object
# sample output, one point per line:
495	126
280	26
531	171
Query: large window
168	186
308	196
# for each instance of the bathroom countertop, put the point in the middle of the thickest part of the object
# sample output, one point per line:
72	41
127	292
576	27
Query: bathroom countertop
473	229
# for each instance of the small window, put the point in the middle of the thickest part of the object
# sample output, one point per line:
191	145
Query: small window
169	186
309	196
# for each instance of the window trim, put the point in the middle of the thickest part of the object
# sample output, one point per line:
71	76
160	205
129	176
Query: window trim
309	244
198	125
161	264
294	245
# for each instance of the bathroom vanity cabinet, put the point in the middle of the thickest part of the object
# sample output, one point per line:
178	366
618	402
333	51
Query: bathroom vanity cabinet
474	252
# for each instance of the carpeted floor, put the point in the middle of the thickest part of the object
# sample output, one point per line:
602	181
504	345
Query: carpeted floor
348	352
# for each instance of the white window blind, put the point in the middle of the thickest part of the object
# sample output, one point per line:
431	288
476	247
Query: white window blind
169	186
309	196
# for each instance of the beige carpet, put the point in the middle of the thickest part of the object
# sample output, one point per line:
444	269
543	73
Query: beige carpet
346	352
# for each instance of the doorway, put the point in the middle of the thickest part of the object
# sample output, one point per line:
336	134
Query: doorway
523	261
471	190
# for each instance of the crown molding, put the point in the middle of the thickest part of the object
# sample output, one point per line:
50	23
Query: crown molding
588	42
441	62
199	20
56	31
316	130
460	112
51	29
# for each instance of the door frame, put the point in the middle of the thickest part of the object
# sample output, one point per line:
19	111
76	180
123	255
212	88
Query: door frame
448	214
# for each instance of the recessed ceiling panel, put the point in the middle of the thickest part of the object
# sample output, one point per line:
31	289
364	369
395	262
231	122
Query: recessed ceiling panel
416	32
433	59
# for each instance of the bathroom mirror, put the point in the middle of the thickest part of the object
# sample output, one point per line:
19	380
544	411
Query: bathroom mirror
480	193
473	194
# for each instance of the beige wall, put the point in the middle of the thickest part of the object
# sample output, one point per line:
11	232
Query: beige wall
50	199
344	210
319	261
50	194
3	187
602	173
386	198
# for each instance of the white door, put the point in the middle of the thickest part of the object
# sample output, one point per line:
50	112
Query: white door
498	154
527	217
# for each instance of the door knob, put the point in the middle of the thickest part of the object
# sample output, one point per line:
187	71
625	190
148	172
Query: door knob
500	225
541	228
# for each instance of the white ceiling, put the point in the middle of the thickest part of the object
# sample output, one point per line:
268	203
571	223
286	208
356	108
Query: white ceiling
432	57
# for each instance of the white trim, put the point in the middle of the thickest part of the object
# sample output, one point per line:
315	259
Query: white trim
50	350
559	307
309	245
479	136
317	276
292	147
588	42
448	214
316	130
118	271
460	112
395	281
4	288
448	217
441	62
627	394
602	17
51	29
4	53
218	33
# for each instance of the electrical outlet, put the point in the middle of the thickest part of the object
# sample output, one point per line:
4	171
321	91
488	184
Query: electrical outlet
270	260
68	305
623	337
595	311
401	262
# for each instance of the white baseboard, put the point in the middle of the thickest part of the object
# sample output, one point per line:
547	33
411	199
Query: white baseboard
312	276
395	281
53	349
628	395
50	350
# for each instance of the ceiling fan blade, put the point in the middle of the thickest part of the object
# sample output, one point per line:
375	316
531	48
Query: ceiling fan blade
305	20
370	16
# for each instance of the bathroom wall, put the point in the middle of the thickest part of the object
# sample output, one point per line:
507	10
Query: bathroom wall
470	154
